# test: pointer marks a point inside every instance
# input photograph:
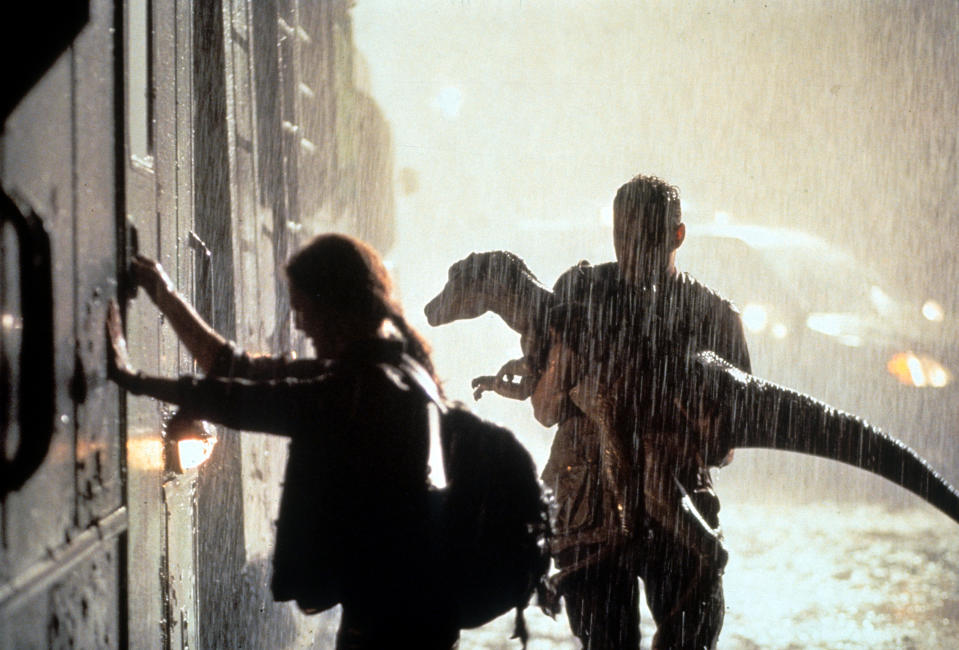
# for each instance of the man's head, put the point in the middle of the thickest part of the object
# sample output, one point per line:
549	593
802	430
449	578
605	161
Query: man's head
647	228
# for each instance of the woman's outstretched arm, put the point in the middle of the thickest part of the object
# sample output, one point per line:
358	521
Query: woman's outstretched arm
280	407
203	342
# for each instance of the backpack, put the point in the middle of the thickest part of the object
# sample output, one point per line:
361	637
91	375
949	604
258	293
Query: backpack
493	515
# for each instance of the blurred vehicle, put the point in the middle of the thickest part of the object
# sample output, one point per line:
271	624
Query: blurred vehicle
790	284
821	322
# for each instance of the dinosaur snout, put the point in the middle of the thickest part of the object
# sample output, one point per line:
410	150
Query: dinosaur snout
435	313
454	303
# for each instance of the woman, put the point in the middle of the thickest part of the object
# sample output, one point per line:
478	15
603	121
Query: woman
353	521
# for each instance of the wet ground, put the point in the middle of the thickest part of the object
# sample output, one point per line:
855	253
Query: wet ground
822	576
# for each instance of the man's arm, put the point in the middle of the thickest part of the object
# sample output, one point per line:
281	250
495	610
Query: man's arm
726	338
731	339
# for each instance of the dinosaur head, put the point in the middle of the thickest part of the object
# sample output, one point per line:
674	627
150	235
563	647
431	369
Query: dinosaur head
464	295
476	284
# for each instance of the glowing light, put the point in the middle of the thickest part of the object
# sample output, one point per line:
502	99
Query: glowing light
837	326
10	322
828	324
306	91
191	441
145	453
779	331
933	311
448	102
880	299
918	370
852	340
194	452
755	317
898	367
915	371
938	377
722	218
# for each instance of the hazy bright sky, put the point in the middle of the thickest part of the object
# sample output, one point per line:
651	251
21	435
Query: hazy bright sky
518	119
837	117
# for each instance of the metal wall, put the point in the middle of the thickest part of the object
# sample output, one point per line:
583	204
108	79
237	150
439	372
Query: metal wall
215	137
62	535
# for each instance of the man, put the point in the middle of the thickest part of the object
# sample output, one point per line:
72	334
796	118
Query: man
632	476
646	373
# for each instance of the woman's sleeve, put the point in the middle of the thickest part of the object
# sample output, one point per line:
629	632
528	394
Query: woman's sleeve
281	407
231	362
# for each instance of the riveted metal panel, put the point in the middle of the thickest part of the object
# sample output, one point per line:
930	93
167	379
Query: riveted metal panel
37	168
22	627
72	598
84	609
99	484
59	553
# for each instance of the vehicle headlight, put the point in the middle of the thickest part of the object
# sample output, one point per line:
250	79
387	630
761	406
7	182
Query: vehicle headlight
836	326
755	317
918	370
933	311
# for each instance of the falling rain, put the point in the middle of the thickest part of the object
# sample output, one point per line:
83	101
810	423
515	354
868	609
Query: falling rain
815	146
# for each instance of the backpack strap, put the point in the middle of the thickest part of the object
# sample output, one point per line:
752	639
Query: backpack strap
419	376
422	379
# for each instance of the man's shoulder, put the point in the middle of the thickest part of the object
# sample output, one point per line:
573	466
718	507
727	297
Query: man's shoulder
584	274
702	295
718	319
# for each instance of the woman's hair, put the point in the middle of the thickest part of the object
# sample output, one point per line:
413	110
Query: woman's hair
347	276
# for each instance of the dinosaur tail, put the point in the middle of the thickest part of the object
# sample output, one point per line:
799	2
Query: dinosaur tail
765	415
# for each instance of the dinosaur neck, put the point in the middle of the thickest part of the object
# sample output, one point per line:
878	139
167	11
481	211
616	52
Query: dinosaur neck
522	305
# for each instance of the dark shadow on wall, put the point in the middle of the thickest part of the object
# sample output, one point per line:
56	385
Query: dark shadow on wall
255	620
61	23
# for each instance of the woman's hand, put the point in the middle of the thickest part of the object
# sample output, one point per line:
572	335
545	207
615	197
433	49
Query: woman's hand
201	340
118	359
149	275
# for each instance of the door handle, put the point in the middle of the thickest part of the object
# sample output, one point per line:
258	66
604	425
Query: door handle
36	391
203	276
127	289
